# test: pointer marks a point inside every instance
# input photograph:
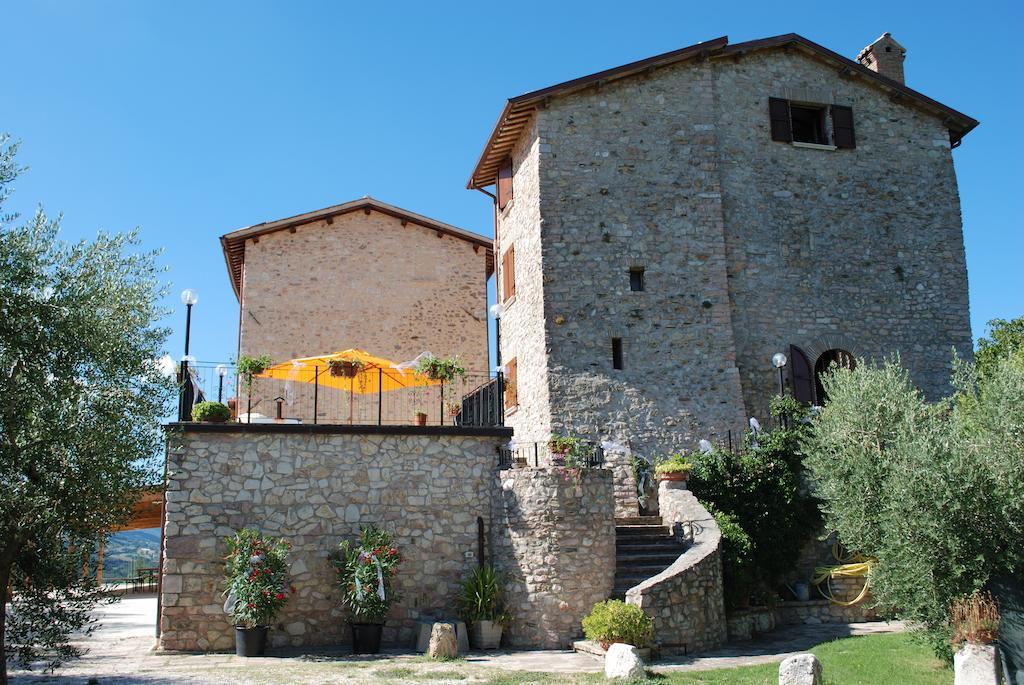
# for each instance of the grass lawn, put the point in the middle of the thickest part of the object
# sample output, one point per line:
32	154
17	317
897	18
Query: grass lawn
866	660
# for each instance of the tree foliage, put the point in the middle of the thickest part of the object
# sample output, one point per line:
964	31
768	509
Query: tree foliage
933	491
760	490
1007	340
80	401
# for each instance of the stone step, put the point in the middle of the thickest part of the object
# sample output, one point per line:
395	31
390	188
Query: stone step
639	521
641	544
642	531
642	570
633	560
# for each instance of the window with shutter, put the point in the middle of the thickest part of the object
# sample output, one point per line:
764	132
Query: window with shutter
504	183
511	384
842	127
778	113
800	376
508	274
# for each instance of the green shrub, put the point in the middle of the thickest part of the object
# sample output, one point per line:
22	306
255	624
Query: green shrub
214	412
738	571
615	621
761	487
480	596
676	463
933	491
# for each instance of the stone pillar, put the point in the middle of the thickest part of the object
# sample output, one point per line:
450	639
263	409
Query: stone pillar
553	541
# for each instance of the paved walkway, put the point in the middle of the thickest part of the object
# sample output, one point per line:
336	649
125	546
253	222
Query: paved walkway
121	652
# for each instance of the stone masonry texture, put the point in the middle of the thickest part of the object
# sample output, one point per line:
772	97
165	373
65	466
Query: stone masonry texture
362	281
686	599
747	245
315	489
553	538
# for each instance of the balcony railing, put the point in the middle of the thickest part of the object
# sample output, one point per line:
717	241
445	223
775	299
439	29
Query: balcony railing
475	400
535	454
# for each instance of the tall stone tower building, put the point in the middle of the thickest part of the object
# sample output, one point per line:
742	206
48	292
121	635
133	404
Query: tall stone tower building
664	227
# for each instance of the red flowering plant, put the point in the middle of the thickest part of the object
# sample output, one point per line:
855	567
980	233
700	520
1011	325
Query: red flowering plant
366	569
256	575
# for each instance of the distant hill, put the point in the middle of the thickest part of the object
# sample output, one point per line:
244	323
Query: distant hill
128	550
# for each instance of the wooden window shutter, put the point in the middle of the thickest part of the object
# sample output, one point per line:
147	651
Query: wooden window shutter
801	378
511	384
508	274
778	114
504	183
842	127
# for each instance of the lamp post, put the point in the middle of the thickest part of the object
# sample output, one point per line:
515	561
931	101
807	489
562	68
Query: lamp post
222	370
188	298
779	362
497	310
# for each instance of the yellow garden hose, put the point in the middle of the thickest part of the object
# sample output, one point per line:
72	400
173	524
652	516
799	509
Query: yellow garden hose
851	566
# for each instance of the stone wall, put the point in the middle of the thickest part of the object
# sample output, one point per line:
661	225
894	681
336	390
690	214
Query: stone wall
685	600
522	324
315	486
362	281
553	540
858	248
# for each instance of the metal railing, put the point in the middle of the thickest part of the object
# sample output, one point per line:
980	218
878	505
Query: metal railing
536	454
473	400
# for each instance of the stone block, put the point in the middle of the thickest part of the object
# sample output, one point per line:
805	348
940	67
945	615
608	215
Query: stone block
623	662
443	642
976	665
800	669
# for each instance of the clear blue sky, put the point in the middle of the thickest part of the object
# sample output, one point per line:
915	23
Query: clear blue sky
191	119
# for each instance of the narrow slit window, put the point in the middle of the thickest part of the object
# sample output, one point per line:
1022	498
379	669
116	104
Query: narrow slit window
617	353
636	279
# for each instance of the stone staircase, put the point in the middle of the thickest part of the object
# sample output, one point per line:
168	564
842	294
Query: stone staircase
644	547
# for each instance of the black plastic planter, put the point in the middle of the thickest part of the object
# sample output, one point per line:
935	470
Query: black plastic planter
250	641
366	637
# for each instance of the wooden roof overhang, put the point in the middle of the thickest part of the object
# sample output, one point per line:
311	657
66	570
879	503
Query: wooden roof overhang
233	243
518	110
148	510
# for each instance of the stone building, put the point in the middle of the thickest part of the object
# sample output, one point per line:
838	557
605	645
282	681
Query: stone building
664	227
364	275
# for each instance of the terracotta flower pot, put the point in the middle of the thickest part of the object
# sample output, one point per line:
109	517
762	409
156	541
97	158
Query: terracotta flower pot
344	370
678	476
421	419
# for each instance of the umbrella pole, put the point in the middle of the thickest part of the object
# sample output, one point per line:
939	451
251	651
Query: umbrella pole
350	399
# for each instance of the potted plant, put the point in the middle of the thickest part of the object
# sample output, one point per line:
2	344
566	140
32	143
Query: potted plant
366	569
454	409
211	412
345	368
257	587
421	417
614	621
480	606
248	368
436	369
975	621
675	468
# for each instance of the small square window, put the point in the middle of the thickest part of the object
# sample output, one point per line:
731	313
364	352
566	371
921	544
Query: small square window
636	279
808	124
617	353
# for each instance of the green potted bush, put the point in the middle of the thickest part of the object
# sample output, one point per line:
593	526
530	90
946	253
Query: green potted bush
676	468
480	606
257	587
366	569
211	412
614	621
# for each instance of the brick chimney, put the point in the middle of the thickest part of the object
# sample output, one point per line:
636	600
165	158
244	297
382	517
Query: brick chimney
884	56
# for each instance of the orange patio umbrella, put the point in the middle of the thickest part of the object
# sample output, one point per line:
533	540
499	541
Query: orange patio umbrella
364	374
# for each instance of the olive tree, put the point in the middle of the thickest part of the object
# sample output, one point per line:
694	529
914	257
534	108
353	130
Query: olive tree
80	403
933	491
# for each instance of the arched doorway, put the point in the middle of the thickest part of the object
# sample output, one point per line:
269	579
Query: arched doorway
824	364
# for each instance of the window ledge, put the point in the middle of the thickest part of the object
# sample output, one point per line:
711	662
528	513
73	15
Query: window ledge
508	303
813	146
